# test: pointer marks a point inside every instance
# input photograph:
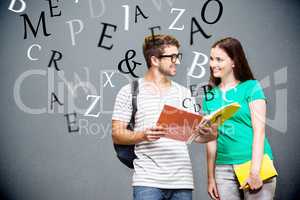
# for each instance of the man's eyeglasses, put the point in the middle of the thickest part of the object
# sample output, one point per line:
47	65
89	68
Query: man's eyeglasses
173	57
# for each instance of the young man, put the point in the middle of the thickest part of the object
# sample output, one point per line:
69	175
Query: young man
162	169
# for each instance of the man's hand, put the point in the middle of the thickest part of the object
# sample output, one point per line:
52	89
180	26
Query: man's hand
153	134
205	131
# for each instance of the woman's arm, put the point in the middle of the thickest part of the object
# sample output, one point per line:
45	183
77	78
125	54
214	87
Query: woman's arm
211	150
258	118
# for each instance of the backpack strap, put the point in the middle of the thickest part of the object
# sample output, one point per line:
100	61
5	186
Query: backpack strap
126	153
134	92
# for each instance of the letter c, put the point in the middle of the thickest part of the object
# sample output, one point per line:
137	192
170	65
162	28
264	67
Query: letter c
17	95
183	103
29	51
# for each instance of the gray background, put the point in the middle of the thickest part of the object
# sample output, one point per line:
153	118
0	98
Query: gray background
40	159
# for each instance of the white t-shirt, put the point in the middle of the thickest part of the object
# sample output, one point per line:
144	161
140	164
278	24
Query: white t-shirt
164	163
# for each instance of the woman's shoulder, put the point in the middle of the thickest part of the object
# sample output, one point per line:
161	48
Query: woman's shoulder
248	84
254	90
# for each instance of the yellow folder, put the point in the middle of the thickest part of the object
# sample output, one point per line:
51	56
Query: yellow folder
267	170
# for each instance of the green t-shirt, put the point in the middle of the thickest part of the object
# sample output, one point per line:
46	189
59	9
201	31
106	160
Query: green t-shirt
234	143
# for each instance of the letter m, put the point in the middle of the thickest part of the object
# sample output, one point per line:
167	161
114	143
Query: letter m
35	30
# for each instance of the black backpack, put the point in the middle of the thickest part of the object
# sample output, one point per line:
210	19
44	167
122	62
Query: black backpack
125	153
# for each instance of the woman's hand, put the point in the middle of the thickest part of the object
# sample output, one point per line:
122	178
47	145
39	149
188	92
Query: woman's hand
212	189
253	181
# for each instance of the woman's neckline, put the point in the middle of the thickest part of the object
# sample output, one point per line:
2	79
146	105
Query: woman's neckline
230	88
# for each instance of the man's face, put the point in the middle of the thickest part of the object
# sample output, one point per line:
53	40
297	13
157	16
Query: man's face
166	66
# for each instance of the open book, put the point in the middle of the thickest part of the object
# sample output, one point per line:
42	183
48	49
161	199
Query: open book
181	123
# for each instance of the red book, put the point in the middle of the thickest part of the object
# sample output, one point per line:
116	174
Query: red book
180	123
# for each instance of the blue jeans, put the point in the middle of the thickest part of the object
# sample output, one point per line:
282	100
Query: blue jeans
151	193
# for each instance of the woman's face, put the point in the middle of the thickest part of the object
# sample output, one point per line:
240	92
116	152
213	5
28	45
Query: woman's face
220	63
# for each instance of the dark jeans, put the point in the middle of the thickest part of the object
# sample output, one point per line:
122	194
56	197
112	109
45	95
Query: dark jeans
151	193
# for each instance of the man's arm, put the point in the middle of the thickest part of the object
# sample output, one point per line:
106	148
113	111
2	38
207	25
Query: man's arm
121	135
205	133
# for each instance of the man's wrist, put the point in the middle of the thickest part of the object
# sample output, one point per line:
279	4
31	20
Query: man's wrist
140	136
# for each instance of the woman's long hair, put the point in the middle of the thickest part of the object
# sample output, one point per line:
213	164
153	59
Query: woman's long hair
234	50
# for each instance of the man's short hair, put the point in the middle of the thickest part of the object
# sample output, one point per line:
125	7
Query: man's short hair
154	45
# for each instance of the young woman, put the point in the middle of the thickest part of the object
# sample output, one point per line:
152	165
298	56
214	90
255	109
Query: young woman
242	137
